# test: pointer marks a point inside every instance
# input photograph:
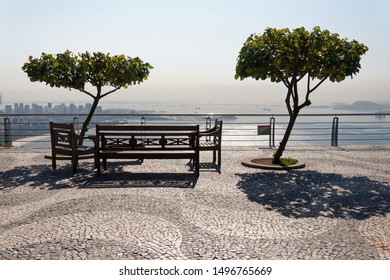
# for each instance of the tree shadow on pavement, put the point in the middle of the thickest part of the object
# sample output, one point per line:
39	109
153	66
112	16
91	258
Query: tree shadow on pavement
42	176
305	194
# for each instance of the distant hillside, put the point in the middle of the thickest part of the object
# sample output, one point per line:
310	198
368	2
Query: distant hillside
361	106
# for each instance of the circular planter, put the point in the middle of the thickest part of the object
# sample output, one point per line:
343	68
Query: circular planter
266	163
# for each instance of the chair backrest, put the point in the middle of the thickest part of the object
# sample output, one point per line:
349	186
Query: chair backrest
63	136
214	134
218	132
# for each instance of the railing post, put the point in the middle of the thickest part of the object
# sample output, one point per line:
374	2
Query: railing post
143	123
272	133
7	133
208	126
335	132
76	124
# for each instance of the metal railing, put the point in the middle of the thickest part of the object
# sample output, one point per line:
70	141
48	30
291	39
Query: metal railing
238	129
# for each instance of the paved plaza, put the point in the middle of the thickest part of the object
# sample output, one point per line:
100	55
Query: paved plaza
338	207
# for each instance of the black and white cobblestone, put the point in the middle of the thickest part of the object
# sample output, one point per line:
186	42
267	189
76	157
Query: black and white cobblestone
338	207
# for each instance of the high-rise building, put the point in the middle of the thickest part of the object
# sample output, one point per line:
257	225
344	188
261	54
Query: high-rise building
16	108
8	109
26	109
88	107
36	109
72	108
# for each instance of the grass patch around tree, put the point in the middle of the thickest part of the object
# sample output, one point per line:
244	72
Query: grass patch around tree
287	161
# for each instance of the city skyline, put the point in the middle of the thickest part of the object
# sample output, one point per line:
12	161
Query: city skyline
49	108
193	46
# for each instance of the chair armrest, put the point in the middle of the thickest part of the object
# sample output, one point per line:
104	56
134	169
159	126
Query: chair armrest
210	132
91	137
207	133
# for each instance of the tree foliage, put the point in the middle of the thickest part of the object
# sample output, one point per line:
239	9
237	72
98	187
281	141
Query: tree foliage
288	56
71	71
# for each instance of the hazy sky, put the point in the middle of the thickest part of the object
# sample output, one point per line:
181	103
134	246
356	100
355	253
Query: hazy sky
193	46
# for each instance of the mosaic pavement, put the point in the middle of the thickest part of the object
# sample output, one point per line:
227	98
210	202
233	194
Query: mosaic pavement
338	207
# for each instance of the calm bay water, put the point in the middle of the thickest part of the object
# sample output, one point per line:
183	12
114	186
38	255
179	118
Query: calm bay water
242	130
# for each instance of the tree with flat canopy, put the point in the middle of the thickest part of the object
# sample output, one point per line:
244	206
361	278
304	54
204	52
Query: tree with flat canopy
98	70
291	57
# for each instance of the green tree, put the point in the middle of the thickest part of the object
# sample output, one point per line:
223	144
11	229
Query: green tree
77	71
294	56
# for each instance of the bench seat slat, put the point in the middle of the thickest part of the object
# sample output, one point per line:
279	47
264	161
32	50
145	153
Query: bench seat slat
146	134
154	155
145	152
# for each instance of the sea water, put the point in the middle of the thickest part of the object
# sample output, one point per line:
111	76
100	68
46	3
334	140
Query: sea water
313	126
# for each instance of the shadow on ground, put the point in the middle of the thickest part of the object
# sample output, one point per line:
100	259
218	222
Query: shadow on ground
141	180
209	167
304	194
43	177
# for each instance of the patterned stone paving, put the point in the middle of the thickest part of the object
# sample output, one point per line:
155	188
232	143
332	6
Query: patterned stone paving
338	207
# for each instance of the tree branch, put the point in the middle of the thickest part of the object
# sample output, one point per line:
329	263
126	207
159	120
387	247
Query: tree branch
308	85
280	74
288	97
111	91
294	91
301	77
90	94
304	104
296	96
313	89
307	101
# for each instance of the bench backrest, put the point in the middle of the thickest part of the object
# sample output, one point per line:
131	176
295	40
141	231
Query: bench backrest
138	137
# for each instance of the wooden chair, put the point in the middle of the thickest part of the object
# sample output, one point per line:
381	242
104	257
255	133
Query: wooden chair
64	145
213	141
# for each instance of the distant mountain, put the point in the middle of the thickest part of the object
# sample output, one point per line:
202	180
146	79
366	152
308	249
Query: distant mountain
366	106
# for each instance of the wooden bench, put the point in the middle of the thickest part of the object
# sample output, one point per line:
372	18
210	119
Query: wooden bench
146	142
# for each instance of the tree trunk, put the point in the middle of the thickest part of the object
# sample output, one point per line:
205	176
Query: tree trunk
282	145
84	128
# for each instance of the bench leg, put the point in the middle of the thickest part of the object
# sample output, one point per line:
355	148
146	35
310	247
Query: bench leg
74	167
97	164
98	169
53	161
196	165
75	163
